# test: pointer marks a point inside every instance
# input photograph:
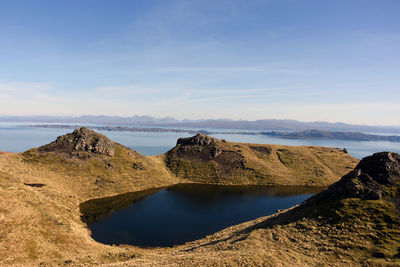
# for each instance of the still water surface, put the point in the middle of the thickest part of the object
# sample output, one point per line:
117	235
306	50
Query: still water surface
184	213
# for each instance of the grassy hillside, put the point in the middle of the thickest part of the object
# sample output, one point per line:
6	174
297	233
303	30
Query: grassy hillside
205	159
41	190
100	175
346	225
40	194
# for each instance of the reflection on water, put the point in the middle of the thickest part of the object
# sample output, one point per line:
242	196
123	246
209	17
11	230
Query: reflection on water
185	212
96	209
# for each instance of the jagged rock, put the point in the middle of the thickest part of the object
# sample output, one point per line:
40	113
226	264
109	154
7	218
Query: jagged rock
200	144
81	140
370	179
216	151
198	140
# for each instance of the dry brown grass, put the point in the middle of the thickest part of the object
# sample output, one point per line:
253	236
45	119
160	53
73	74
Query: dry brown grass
349	232
42	225
241	163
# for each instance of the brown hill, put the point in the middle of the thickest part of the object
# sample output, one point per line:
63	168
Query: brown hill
206	159
99	167
41	190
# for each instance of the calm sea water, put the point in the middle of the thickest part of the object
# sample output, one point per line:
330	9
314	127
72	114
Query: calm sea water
17	138
183	213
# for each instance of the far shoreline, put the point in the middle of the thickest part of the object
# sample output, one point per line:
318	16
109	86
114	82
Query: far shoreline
311	134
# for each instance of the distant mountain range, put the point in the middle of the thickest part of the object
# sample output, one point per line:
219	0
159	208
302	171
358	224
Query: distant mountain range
259	125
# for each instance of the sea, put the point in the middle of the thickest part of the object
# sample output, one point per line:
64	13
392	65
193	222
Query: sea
19	137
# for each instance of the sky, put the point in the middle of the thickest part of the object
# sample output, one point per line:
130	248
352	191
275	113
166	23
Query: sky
309	60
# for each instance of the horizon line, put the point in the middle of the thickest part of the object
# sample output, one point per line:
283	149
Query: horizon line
192	120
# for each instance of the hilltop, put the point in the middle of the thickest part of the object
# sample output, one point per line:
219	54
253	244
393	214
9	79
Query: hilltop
80	142
199	158
99	167
202	158
41	190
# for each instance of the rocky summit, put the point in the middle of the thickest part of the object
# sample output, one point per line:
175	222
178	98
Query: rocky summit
206	159
81	141
198	140
371	179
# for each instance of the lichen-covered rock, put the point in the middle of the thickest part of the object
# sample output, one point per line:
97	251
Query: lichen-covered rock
81	140
370	179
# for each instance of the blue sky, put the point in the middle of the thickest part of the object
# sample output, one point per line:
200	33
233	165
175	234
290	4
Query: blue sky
239	59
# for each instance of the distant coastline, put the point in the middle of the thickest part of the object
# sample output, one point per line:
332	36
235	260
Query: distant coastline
304	135
169	122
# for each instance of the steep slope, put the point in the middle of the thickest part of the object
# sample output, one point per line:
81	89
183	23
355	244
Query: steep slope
202	158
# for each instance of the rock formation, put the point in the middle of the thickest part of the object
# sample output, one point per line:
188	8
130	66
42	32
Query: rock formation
198	140
201	145
206	159
81	140
370	179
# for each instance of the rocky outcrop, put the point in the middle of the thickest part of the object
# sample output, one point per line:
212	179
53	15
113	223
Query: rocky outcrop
371	179
198	140
206	159
80	141
200	145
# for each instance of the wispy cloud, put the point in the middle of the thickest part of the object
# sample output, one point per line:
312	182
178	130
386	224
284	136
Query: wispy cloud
23	87
127	90
227	69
